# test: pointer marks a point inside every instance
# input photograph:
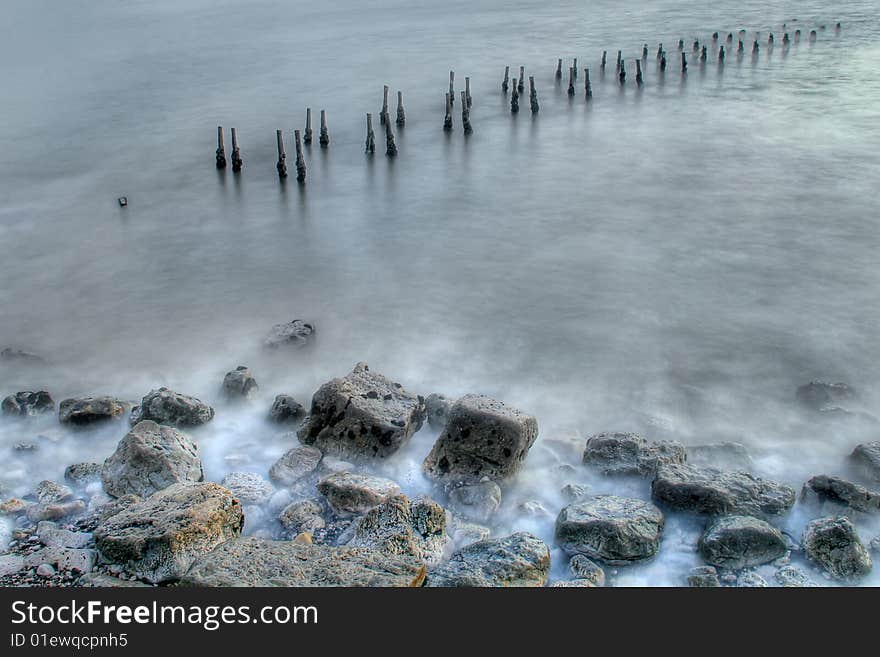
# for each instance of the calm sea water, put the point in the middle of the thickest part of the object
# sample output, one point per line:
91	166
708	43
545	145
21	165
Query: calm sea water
674	260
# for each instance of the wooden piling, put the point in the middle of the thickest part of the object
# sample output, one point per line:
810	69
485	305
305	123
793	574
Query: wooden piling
663	63
370	146
588	88
533	95
755	48
797	36
559	69
447	122
401	114
681	44
639	80
390	145
465	114
221	151
696	47
812	36
659	51
324	137
740	49
237	162
729	39
703	55
452	87
521	83
621	73
574	65
645	52
467	91
770	40
281	166
571	80
307	135
619	60
514	99
684	63
300	162
720	55
604	60
383	115
506	82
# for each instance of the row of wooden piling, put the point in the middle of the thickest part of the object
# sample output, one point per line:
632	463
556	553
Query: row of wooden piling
516	89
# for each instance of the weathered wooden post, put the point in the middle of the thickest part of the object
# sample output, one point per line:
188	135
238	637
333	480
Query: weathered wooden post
812	36
506	82
770	40
684	63
681	44
514	99
237	162
604	60
663	63
533	95
574	65
755	48
588	88
467	91
714	37
452	87
639	80
390	145
645	52
324	137
521	83
300	162
720	55
221	151
282	157
370	146
703	55
307	135
729	39
401	115
740	49
559	69
621	73
571	81
465	114
619	60
659	51
785	40
447	122
837	28
383	115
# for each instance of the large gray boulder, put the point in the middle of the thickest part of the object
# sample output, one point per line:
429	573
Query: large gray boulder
239	384
258	562
88	410
158	538
399	526
349	493
630	454
843	492
738	542
866	459
834	544
362	415
174	409
483	438
28	403
717	492
295	464
615	530
149	458
517	560
295	334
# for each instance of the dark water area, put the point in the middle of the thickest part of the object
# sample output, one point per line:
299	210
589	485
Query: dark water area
673	260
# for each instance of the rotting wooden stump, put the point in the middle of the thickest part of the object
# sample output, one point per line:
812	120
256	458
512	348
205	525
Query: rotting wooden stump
588	88
237	162
559	69
704	55
721	55
619	60
281	166
663	63
307	135
604	61
574	65
221	151
401	114
514	100
383	114
639	80
645	52
467	91
390	145
571	81
452	87
521	83
659	51
621	72
300	162
505	83
684	62
324	137
465	114
447	121
370	146
533	95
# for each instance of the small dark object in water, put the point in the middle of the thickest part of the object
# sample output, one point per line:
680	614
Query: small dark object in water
720	54
714	36
506	82
837	27
785	39
571	81
574	65
370	146
559	69
770	39
447	120
307	135
681	44
619	60
467	91
401	115
281	165
729	38
604	59
221	151
797	36
812	36
659	51
645	51
324	137
237	162
755	48
300	162
740	49
123	201
696	45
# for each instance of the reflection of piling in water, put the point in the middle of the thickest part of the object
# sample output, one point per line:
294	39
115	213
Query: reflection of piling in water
221	150
383	114
684	63
797	36
533	95
639	73
703	55
740	49
324	137
307	135
521	83
663	62
467	91
755	48
465	114
514	99
588	88
401	114
390	146
729	39
571	81
559	69
659	51
506	82
281	166
447	121
451	87
720	55
812	36
370	146
237	162
300	162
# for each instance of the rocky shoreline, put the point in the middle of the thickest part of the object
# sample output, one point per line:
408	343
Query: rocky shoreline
146	516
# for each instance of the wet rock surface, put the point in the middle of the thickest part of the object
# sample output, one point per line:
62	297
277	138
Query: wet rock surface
517	560
703	577
239	384
437	408
349	493
483	437
477	502
285	409
248	487
793	577
28	403
295	334
296	463
630	454
149	458
843	492
866	459
89	410
362	415
612	529
718	492
583	568
817	395
166	407
834	544
82	474
738	542
259	562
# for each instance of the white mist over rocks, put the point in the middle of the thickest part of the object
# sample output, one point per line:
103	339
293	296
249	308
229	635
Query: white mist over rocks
674	261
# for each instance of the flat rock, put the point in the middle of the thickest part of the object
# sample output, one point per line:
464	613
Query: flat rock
82	474
817	395
574	583
724	456
615	530
437	409
517	560
834	544
866	459
295	334
51	535
350	493
14	506
841	491
160	537
55	511
63	559
286	409
630	454
483	438
477	502
239	384
717	492
399	526
362	415
10	564
149	458
88	410
295	464
258	562
166	407
738	542
28	403
248	487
